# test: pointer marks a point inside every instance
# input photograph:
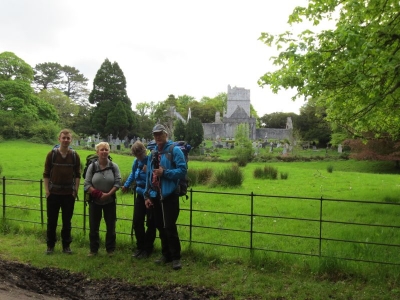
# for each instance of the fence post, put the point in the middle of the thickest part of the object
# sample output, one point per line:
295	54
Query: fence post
191	216
4	197
41	202
251	219
320	228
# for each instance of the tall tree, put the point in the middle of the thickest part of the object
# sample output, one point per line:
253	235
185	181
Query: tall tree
74	84
194	132
312	125
109	84
117	121
179	130
67	110
243	147
109	88
277	119
47	75
14	68
351	70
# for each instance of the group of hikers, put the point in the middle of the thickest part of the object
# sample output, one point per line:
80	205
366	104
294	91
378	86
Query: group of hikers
156	176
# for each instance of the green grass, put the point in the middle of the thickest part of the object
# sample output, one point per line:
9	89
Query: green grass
259	274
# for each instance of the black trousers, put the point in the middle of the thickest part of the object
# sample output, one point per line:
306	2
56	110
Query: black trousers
166	214
144	238
53	204
109	212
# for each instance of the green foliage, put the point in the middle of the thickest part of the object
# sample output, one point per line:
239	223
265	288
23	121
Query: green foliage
65	107
387	199
43	132
109	84
278	119
325	65
194	132
312	125
284	175
202	176
205	175
243	149
228	177
329	168
74	85
14	68
47	75
179	130
109	88
268	172
117	120
193	176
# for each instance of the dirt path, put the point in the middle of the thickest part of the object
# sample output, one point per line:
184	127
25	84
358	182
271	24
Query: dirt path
24	282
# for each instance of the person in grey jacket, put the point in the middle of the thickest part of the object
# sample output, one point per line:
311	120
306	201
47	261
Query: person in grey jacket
164	170
102	181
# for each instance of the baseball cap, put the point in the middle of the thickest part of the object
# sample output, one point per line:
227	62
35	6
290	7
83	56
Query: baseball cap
159	128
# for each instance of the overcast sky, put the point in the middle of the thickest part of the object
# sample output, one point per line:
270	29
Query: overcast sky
163	47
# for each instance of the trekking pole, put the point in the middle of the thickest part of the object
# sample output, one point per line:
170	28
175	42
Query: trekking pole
162	202
134	201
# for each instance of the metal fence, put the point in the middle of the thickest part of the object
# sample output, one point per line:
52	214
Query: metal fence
352	230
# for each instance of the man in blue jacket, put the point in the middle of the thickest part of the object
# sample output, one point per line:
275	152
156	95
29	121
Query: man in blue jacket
165	167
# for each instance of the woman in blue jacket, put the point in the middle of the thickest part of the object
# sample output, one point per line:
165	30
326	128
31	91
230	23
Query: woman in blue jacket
144	238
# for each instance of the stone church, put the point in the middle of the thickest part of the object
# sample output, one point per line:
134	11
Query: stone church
238	112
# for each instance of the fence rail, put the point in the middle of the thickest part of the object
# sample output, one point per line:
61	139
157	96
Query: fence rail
349	230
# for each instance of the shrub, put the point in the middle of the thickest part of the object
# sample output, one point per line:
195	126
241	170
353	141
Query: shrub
229	177
267	173
284	175
258	173
205	175
193	176
389	199
270	172
329	169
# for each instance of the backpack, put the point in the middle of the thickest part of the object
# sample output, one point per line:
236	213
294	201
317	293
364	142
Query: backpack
91	158
183	184
55	148
54	153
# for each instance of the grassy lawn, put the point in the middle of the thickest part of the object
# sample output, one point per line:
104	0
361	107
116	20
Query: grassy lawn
259	274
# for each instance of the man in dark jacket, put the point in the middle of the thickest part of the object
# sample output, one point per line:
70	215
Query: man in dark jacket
61	178
165	167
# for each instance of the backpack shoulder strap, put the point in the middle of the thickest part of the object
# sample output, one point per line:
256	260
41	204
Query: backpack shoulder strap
112	167
170	152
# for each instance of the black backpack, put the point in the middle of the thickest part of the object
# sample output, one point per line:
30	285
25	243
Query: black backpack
91	158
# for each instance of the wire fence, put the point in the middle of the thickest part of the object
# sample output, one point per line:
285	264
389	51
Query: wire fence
352	230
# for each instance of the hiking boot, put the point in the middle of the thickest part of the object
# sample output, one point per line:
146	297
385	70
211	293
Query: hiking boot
67	250
162	260
50	250
137	253
91	254
143	254
176	264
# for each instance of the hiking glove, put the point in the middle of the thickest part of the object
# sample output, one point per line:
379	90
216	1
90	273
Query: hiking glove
96	194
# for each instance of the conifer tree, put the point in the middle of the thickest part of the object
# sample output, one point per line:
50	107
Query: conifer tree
109	88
